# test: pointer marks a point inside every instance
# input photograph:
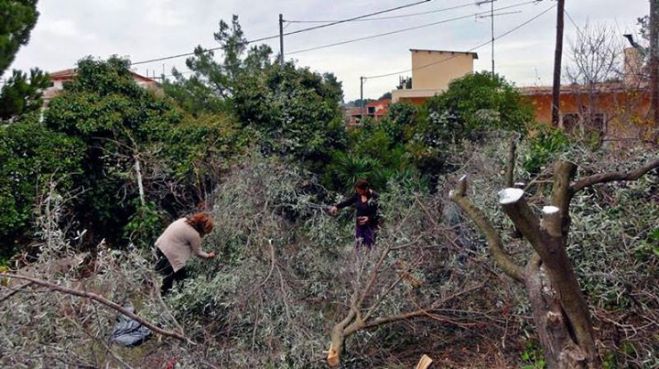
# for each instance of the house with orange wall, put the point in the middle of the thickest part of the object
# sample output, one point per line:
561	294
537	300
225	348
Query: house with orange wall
617	111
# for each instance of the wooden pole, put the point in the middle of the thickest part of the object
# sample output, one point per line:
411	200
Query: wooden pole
654	58
558	55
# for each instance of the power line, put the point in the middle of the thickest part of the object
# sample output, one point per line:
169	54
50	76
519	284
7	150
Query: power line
205	50
355	18
390	17
573	22
472	49
285	34
407	29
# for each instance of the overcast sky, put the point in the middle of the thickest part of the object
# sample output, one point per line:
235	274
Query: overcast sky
143	29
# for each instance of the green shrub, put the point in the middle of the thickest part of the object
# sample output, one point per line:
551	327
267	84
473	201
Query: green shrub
544	145
482	101
144	225
30	157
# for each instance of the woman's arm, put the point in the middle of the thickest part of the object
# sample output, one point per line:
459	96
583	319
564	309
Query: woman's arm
195	245
347	202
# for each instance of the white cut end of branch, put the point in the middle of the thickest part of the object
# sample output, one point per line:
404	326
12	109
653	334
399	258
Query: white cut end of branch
463	178
549	210
510	195
519	184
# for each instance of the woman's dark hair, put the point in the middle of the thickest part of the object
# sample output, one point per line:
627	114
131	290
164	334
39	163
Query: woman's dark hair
362	184
201	222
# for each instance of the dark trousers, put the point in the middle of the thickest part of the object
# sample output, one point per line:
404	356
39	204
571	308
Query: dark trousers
364	236
164	268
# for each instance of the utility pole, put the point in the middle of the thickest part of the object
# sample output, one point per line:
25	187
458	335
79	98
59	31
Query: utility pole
281	39
654	59
361	97
558	55
492	30
491	25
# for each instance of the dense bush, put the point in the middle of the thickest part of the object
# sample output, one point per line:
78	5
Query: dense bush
31	157
482	101
289	111
132	134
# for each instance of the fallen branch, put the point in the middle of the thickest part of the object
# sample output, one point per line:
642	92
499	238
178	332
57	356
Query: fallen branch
102	300
614	176
14	291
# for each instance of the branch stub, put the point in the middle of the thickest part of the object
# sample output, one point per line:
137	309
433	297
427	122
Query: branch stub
510	195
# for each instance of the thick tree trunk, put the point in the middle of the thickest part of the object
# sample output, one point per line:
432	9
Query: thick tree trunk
566	314
553	327
560	310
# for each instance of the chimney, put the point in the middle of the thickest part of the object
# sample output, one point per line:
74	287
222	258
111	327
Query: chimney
633	66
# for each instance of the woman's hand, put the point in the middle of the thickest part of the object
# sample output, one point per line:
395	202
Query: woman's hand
333	210
362	220
211	255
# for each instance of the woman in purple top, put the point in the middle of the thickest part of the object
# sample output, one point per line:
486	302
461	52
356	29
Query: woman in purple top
365	202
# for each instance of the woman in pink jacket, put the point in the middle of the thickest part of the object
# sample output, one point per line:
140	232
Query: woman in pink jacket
177	244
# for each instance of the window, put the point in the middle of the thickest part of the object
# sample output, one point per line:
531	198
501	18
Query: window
577	123
595	122
571	122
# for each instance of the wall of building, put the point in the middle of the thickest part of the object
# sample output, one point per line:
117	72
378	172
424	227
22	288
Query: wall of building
443	67
625	113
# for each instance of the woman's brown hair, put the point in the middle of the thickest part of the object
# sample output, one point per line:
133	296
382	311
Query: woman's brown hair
201	222
362	184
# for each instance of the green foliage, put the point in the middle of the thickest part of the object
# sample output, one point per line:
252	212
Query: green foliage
18	19
345	169
648	249
199	147
290	111
544	146
117	120
193	95
22	94
481	101
144	225
29	155
376	151
123	124
296	110
532	356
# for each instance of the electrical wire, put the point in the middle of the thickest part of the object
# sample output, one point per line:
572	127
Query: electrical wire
408	28
470	50
285	34
573	22
205	50
355	18
392	16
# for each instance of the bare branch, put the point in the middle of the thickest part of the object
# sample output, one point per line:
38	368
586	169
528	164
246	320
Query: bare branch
14	291
493	239
101	300
510	167
614	176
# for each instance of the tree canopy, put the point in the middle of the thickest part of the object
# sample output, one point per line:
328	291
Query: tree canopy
18	19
